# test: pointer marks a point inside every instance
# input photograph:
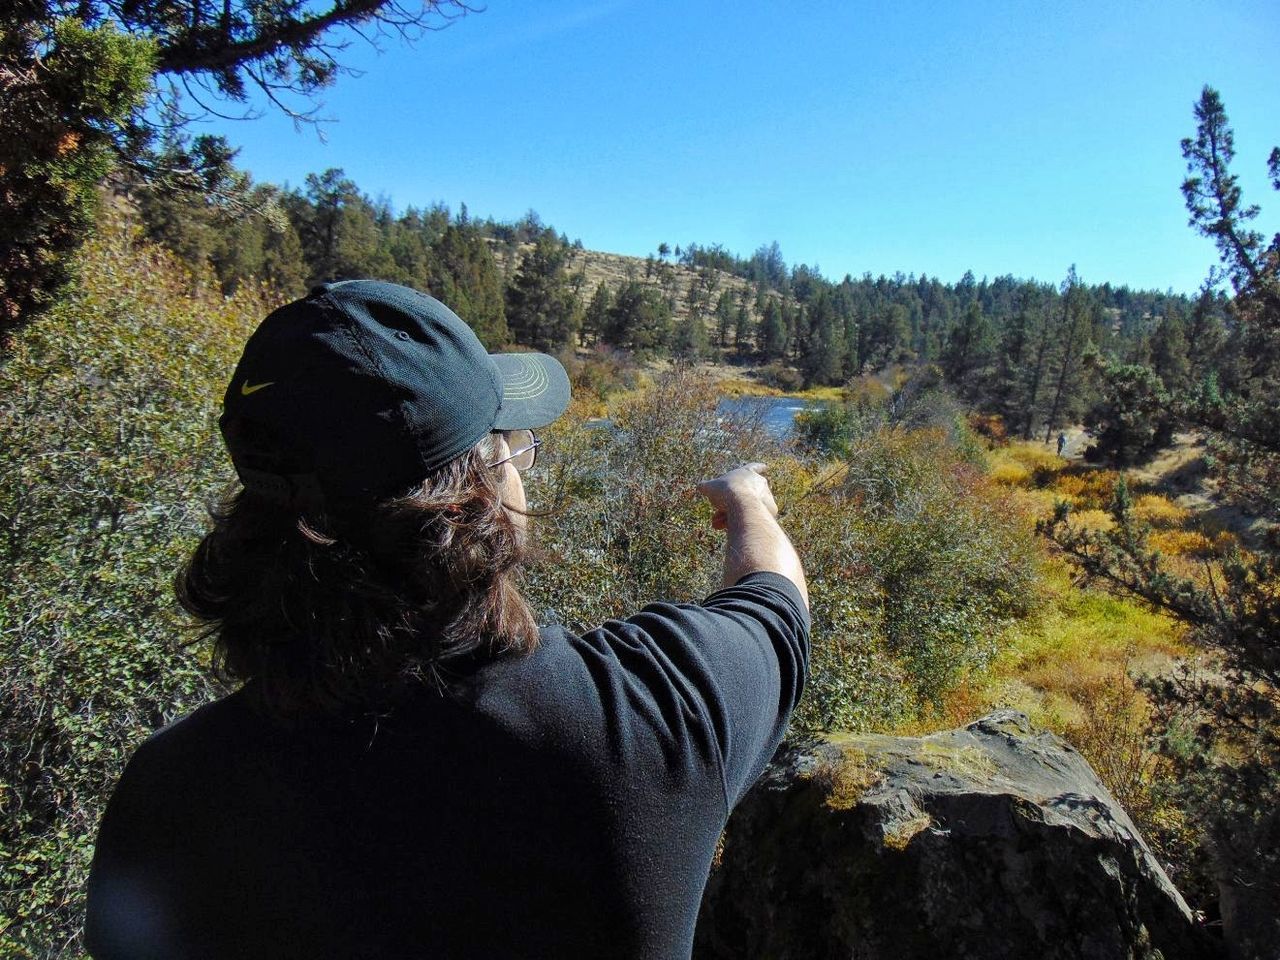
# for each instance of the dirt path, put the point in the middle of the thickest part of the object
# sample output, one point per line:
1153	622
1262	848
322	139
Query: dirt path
1179	471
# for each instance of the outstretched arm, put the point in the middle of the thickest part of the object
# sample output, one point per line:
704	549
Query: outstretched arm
745	509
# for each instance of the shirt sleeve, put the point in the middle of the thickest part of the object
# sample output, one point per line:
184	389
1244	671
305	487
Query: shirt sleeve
736	665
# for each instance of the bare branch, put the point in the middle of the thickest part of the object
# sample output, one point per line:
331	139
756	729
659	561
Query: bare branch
208	50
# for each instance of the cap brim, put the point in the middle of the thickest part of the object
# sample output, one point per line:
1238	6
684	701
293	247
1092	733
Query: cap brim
535	390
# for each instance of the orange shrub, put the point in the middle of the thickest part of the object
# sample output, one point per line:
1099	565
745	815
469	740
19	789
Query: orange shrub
990	426
1084	486
1011	474
1091	520
1182	543
1160	511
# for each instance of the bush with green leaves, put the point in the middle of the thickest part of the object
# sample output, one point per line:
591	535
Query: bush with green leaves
108	452
1132	418
627	525
915	562
905	399
67	92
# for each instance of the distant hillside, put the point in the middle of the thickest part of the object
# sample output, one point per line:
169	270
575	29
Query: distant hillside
615	269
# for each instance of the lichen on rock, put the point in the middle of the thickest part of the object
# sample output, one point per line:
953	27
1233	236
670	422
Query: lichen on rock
992	841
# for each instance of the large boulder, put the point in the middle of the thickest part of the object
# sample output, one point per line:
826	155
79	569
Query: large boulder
994	841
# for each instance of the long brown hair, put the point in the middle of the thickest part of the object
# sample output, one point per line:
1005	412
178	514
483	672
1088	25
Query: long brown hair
340	610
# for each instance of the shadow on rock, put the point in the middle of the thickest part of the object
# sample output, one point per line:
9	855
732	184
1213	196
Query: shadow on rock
994	841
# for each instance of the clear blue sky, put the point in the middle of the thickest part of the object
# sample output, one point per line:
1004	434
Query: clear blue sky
1002	137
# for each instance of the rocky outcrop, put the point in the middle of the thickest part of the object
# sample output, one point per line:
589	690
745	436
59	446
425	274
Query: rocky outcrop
994	841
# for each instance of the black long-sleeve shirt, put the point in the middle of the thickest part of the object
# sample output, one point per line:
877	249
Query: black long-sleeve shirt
563	804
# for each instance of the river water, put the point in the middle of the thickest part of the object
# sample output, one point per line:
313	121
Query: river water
777	414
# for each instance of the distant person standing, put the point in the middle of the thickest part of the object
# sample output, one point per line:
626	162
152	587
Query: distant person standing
1062	443
411	767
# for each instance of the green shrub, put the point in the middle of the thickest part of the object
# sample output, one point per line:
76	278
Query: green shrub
916	564
629	526
108	449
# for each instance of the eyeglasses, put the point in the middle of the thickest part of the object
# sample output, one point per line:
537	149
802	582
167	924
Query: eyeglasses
523	446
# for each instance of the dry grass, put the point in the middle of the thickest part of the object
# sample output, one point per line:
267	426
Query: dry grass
742	387
1011	473
1028	454
1054	665
1092	519
843	781
1090	488
1160	511
900	834
1182	543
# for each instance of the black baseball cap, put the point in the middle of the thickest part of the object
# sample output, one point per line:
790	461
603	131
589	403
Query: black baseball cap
362	388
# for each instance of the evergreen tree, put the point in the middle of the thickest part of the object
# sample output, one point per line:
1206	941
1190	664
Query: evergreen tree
887	337
1206	335
595	320
742	327
1242	413
768	266
360	247
724	318
1072	334
258	247
1168	352
689	338
1008	394
1041	334
1228	762
1133	417
409	249
968	352
823	359
541	310
317	216
1213	197
702	288
639	320
462	273
80	98
773	331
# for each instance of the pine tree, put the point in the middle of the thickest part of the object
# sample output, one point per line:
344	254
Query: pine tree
887	338
968	353
462	274
595	319
1168	350
1206	335
773	332
823	359
1072	333
689	338
1041	337
541	310
639	320
256	247
743	328
1016	338
724	318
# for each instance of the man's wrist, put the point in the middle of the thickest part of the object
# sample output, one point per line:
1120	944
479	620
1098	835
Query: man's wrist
747	508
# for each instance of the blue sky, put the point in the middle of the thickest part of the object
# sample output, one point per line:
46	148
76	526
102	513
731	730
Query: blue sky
1002	137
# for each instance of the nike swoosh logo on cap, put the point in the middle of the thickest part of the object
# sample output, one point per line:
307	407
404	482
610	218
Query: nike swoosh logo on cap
245	389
